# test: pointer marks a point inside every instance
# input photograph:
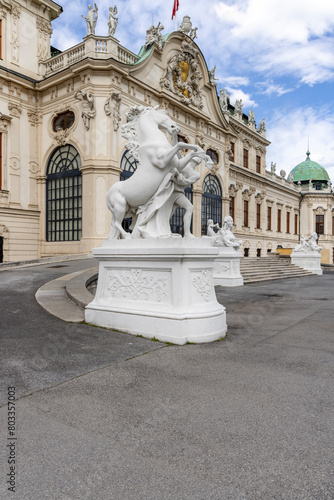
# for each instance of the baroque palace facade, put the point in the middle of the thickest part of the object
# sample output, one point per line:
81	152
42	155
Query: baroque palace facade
61	147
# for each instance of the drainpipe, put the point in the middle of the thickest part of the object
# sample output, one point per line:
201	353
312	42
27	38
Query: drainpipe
300	202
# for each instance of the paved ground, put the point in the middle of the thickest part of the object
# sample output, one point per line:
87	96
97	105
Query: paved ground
105	415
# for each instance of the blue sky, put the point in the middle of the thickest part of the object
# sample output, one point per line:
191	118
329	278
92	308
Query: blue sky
276	55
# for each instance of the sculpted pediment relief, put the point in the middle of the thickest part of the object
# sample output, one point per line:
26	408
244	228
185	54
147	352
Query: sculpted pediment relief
182	76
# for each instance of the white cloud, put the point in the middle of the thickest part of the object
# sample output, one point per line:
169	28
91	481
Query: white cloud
289	134
239	94
238	81
271	88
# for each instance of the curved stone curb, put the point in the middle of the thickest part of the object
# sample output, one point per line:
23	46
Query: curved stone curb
67	302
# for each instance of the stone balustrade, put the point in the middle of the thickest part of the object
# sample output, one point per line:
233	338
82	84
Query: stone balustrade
96	47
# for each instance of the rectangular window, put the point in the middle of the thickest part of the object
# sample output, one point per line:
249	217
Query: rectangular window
269	219
279	218
258	216
258	164
288	222
296	224
245	213
246	158
232	151
231	211
0	39
319	224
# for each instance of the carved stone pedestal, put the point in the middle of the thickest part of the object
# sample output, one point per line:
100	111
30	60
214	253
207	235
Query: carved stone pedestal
309	261
159	287
227	267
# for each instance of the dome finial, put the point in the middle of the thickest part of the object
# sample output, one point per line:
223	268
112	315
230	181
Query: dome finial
308	149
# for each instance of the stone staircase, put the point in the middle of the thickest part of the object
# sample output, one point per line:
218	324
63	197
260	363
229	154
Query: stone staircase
271	267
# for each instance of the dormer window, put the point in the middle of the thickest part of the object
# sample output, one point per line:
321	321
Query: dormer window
63	121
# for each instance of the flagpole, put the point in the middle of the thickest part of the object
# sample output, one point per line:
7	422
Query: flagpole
176	21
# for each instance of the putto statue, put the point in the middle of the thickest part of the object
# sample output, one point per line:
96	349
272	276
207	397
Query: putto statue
91	19
308	244
154	36
224	99
156	188
112	21
224	236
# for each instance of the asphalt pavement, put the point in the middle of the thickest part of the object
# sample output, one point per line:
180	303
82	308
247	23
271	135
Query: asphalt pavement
105	415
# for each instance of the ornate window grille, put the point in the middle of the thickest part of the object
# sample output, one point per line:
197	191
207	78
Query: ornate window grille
211	201
64	195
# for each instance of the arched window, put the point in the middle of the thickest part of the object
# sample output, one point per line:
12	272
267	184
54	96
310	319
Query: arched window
176	221
211	201
213	155
128	166
64	195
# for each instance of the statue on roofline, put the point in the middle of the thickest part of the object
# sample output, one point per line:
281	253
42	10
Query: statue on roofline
91	19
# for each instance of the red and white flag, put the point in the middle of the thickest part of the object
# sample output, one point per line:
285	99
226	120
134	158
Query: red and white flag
175	8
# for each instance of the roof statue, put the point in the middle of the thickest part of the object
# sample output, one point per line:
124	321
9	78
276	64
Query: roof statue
282	173
154	36
112	21
262	127
91	19
238	107
273	167
251	117
156	188
224	99
186	28
212	78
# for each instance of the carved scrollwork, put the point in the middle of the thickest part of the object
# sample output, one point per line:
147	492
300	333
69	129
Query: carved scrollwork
203	283
137	286
182	76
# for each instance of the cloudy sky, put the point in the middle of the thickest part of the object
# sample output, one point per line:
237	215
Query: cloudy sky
276	55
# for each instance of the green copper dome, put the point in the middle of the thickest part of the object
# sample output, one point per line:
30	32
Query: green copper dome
307	170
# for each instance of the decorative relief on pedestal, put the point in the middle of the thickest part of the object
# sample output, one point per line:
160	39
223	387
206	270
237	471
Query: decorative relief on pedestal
182	75
137	285
112	107
219	268
203	283
236	266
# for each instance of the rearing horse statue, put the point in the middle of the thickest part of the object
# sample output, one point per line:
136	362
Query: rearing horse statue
148	196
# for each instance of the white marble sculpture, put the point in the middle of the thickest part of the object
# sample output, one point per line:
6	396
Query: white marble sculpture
273	167
224	98
88	106
154	36
307	254
91	19
150	283
282	173
112	21
225	236
227	264
150	195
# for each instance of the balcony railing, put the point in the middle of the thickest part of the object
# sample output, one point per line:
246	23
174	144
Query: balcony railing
92	46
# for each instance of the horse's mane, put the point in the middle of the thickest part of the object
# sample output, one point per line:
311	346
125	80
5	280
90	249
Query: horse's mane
129	132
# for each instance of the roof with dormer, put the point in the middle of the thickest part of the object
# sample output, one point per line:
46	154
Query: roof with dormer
309	170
